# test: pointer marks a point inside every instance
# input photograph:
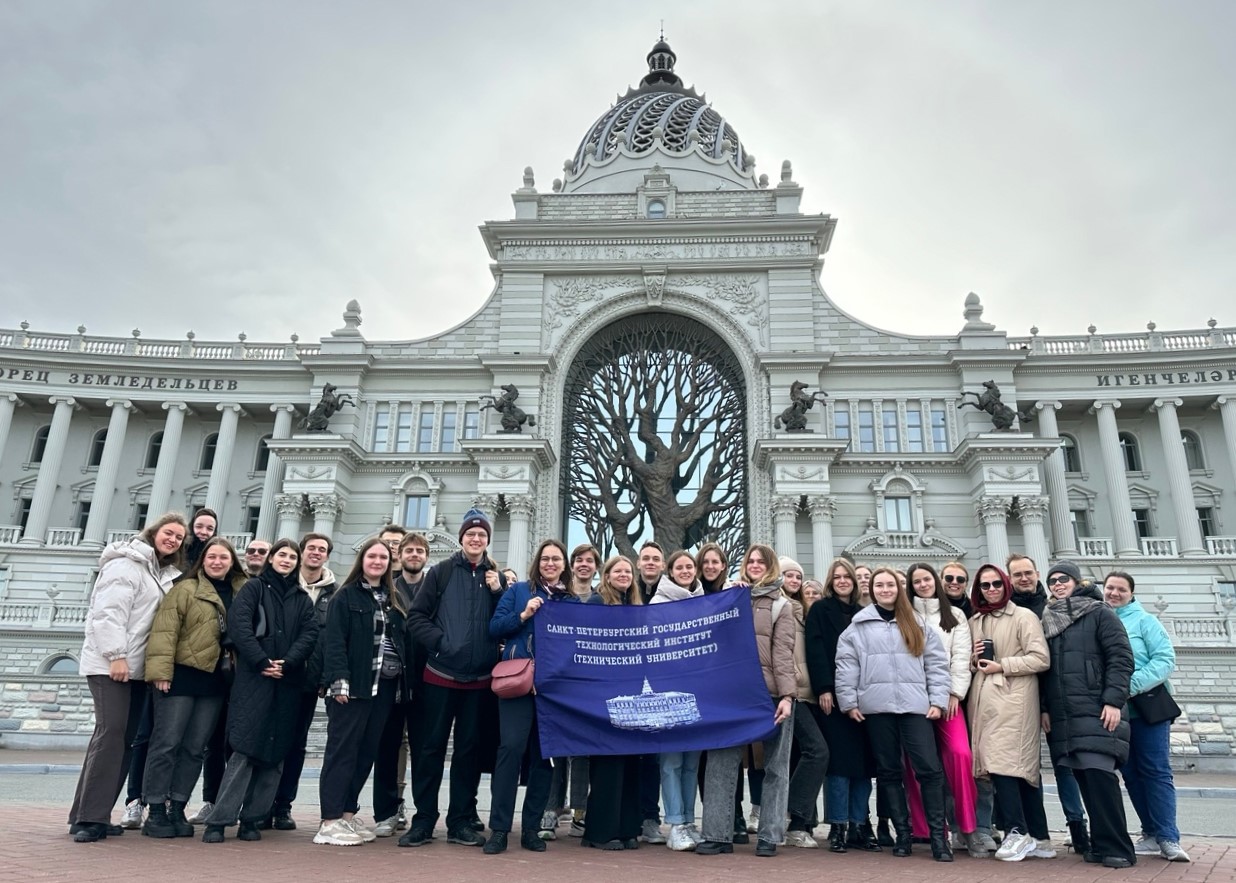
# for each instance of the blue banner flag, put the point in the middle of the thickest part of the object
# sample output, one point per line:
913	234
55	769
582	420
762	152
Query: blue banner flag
680	676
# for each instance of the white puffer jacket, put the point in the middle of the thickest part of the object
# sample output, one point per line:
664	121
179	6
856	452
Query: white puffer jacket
957	643
127	593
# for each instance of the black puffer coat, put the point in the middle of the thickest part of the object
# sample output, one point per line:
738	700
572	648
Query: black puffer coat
849	753
262	711
1091	664
450	618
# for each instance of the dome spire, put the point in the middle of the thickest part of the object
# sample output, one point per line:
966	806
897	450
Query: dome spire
661	65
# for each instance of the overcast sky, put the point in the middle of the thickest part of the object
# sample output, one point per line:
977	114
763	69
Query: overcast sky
232	166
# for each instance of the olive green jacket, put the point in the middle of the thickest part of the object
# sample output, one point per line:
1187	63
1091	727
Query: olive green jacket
186	629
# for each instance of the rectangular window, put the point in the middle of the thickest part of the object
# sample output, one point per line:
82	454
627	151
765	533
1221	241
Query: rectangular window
1080	519
139	517
252	514
1141	521
866	427
939	429
891	440
897	515
472	421
1206	520
914	428
424	435
23	513
448	430
416	513
1227	589
403	429
83	515
841	422
381	428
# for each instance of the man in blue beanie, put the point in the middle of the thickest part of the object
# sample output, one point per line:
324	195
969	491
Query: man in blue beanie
449	618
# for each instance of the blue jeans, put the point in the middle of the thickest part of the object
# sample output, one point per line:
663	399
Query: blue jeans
678	782
847	795
1148	778
1069	794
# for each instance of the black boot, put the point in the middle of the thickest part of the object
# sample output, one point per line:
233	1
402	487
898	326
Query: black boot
176	815
867	839
883	837
249	831
1080	836
158	824
837	838
940	850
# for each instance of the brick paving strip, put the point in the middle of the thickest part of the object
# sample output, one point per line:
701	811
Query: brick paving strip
36	846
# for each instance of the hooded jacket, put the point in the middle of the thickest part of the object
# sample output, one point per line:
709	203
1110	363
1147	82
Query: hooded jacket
877	675
320	591
1154	657
127	593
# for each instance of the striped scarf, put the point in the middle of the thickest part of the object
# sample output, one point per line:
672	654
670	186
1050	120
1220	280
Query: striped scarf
379	633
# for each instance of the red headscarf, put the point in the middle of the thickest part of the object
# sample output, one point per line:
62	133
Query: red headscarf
978	601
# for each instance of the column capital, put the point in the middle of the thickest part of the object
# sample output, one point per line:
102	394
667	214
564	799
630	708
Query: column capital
276	408
487	503
519	505
1032	510
821	508
17	402
64	400
176	406
1165	403
124	404
993	510
1044	405
784	506
326	505
1100	404
1221	401
231	406
290	504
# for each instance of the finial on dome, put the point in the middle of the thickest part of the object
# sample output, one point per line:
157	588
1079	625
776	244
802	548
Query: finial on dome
661	65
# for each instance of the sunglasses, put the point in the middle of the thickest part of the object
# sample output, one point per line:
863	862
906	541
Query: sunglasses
953	578
254	550
1053	580
985	586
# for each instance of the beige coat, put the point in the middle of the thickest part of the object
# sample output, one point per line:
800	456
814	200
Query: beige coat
774	638
1004	707
805	693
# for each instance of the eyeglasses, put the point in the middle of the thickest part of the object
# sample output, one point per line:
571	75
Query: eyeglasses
1053	580
552	559
255	550
998	584
953	578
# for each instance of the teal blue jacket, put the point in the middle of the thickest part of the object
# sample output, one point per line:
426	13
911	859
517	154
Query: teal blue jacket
1154	658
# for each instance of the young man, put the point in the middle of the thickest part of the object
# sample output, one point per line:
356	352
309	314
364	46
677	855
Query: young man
651	565
256	554
317	581
392	535
1028	591
450	618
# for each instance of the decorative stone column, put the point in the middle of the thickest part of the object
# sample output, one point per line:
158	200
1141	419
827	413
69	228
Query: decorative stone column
1117	485
1057	490
822	509
1031	512
326	508
169	450
1188	530
994	513
8	403
49	471
784	514
274	472
1226	406
520	509
291	509
105	478
225	449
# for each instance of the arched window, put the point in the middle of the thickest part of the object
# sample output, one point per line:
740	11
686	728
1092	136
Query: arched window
152	450
60	665
1192	450
96	448
1072	456
208	451
262	462
1131	453
40	444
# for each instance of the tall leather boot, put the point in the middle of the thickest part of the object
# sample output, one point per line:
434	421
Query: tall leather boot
866	838
932	788
899	815
883	837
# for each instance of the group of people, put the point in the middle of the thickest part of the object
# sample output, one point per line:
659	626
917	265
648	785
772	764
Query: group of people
934	685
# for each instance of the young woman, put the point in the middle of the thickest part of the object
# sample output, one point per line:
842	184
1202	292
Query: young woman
774	637
512	623
810	749
713	566
364	653
1084	691
851	765
1147	775
813	590
612	820
190	672
678	768
1004	709
863	574
892	674
956	581
133	577
952	737
272	627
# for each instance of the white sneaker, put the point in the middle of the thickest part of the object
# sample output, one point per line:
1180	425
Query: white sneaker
650	832
985	842
1016	846
1043	849
386	827
549	821
337	833
694	833
401	817
800	838
679	839
1170	850
365	834
202	814
131	820
1146	845
753	820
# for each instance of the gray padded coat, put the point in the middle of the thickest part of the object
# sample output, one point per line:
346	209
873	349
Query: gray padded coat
877	675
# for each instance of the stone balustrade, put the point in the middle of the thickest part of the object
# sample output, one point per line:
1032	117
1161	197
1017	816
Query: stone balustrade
189	348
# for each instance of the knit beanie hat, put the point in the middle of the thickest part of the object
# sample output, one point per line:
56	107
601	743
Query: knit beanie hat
476	518
1068	568
788	563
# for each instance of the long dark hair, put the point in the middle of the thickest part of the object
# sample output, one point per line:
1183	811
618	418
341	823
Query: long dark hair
709	588
357	573
948	621
234	572
534	569
283	543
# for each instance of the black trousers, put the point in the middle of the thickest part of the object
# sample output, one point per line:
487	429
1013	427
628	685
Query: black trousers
464	709
294	761
518	738
353	730
217	754
890	735
403	717
613	798
650	787
807	778
140	750
1109	831
1020	805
